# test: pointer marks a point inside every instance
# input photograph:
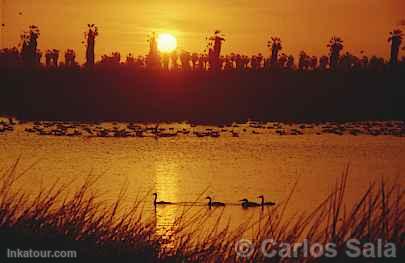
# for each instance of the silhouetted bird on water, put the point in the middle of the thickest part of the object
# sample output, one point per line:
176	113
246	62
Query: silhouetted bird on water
246	203
210	203
265	203
155	202
11	121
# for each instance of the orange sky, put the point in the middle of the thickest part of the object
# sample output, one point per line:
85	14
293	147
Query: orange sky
124	24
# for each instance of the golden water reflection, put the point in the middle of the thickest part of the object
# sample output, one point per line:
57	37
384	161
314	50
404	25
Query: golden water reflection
227	169
166	185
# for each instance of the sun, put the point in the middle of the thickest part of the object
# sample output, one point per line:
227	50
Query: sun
166	43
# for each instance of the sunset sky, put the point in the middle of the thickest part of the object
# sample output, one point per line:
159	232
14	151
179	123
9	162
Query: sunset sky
124	24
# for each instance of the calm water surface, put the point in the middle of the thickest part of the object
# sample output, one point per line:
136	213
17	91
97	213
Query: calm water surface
187	168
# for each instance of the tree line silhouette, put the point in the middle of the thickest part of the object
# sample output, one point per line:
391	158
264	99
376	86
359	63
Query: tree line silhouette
210	59
206	87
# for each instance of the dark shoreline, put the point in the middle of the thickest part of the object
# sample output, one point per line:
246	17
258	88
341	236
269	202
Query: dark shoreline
125	94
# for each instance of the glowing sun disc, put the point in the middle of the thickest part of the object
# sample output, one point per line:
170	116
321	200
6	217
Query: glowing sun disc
166	43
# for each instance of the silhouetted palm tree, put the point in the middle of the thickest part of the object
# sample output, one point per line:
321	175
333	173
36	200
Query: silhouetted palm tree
185	59
245	62
55	57
174	57
290	62
335	46
238	62
376	63
260	59
256	61
166	61
228	63
90	37
364	62
140	62
221	63
70	58
153	57
194	60
282	60
29	51
10	57
48	58
323	62
350	62
313	62
211	59
214	50
396	40
303	61
130	60
38	56
275	45
111	60
203	62
51	58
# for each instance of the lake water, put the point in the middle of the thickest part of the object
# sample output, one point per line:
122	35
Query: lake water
187	168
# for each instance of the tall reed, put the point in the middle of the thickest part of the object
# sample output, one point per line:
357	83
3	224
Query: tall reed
55	220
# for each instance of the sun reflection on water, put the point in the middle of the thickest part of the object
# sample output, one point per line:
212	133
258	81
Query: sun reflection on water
166	178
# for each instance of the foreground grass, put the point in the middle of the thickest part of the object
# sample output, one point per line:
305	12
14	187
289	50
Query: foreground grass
54	220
